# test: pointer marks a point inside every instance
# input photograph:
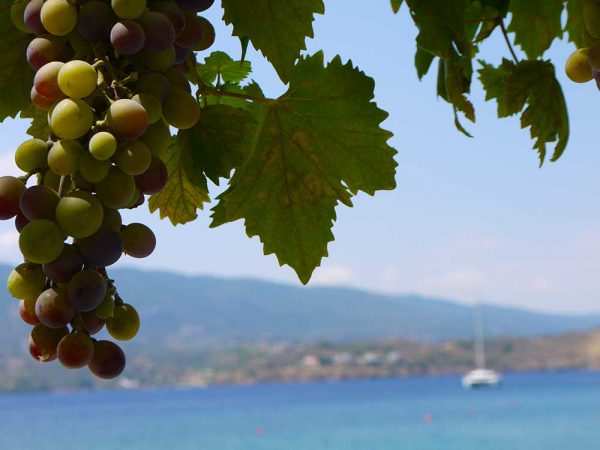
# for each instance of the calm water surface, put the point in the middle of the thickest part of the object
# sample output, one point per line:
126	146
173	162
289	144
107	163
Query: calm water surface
531	412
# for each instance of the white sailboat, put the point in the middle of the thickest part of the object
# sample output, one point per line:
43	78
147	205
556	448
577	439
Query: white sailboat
480	376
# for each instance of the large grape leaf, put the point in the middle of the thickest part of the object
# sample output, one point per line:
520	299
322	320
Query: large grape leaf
186	191
536	23
39	127
16	76
396	4
530	88
574	25
221	65
313	148
219	141
278	29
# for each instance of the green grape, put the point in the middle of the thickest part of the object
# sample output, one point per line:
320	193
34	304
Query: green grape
59	17
26	281
178	81
117	189
106	309
71	118
138	199
112	220
591	17
138	240
109	360
151	104
577	66
128	119
86	290
155	84
128	9
157	138
133	158
53	309
102	145
27	311
32	155
92	170
181	110
64	157
11	189
17	12
124	324
41	241
79	214
158	61
75	350
77	79
43	342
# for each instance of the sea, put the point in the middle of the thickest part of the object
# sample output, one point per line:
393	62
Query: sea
530	411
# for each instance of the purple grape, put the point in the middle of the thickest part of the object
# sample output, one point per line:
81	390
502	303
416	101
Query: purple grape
127	37
95	21
33	16
159	30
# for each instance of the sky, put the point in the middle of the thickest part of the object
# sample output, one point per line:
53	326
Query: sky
471	219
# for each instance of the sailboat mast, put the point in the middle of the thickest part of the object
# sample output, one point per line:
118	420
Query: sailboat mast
479	338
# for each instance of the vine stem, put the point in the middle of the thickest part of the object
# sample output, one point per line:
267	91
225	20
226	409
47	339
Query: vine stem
61	186
510	47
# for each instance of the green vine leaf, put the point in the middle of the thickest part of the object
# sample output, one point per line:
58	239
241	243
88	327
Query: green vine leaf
186	191
39	127
530	88
396	4
536	23
314	147
278	31
16	77
219	141
574	25
220	65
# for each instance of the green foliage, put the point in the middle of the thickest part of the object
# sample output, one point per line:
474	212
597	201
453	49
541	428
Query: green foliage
219	66
39	127
307	155
396	4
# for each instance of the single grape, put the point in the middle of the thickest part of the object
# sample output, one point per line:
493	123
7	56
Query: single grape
11	189
53	309
64	157
101	249
26	281
106	309
124	324
75	350
45	49
46	80
20	222
79	214
127	37
133	157
27	311
63	268
178	82
102	145
92	324
128	119
109	360
172	11
71	118
195	5
159	31
41	241
138	240
112	220
86	290
128	9
17	11
181	110
116	190
43	342
153	180
39	202
40	101
159	61
32	155
577	66
151	104
192	32
181	54
137	200
77	79
59	17
155	84
95	21
157	138
92	170
32	16
208	36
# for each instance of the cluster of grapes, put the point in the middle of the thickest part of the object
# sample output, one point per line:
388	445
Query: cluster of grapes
583	64
112	77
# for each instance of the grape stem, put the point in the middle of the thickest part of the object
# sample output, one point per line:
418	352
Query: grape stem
61	186
510	47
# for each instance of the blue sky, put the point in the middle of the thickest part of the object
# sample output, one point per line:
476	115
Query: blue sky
470	218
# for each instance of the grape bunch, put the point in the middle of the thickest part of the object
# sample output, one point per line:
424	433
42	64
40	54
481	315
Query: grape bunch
583	64
112	77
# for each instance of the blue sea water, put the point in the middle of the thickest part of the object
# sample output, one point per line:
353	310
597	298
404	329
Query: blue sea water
535	411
